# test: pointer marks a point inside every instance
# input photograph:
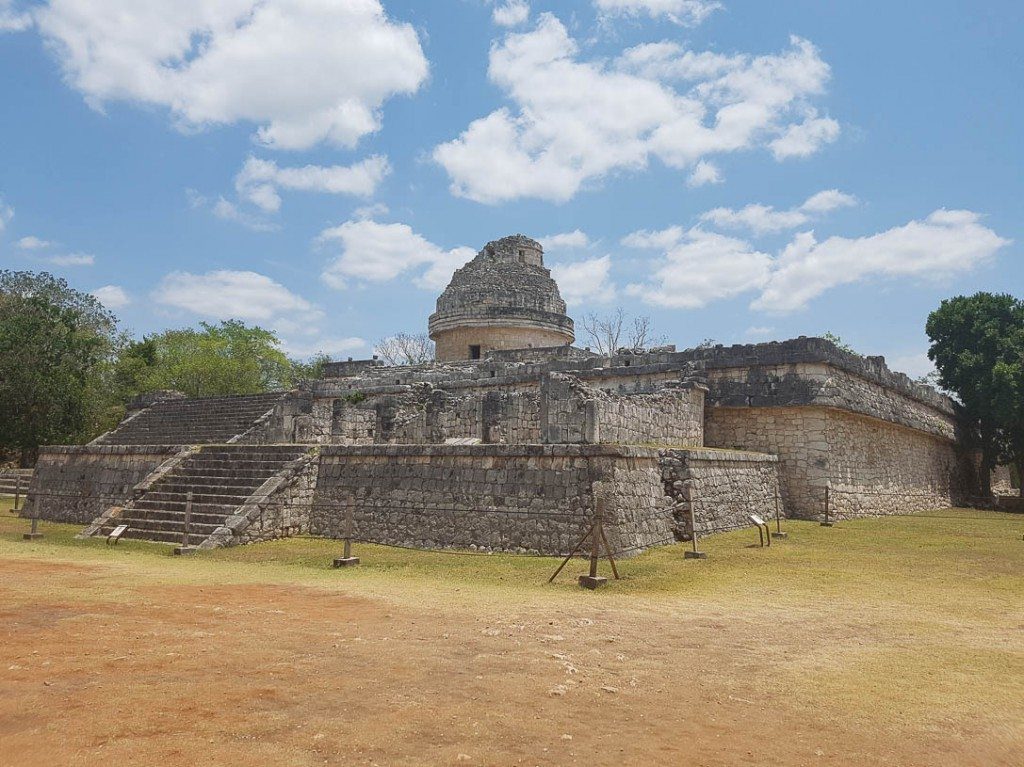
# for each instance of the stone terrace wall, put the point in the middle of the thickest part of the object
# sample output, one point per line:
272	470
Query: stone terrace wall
723	487
795	434
533	498
881	468
78	483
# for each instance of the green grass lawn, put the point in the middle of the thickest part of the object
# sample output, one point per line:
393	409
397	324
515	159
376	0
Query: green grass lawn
946	555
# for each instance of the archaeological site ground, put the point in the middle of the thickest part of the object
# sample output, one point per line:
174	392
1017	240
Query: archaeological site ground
875	618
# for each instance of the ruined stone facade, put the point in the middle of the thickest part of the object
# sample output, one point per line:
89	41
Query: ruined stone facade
516	450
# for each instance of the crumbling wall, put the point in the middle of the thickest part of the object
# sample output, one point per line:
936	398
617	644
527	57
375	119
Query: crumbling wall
523	498
77	483
721	487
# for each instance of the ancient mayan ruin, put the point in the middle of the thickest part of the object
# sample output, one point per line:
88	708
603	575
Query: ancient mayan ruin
513	436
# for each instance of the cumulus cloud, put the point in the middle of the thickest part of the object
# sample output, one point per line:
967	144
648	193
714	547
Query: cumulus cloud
565	241
687	13
228	211
805	138
112	296
946	243
701	268
11	19
764	219
258	181
33	243
225	294
574	121
378	252
72	259
511	13
303	71
585	281
697	266
704	172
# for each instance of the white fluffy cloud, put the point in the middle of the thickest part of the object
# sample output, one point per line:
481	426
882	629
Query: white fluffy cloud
511	13
688	13
703	267
72	259
698	266
947	242
33	243
805	138
380	252
764	219
574	121
704	172
585	280
303	71
259	180
112	296
565	241
225	294
11	19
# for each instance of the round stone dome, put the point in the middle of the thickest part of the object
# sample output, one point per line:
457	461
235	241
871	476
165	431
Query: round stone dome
503	299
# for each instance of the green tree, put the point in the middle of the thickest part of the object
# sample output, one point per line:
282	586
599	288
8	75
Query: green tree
977	345
311	369
227	358
55	343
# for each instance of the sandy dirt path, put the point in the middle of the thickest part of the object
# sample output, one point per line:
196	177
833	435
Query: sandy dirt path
92	673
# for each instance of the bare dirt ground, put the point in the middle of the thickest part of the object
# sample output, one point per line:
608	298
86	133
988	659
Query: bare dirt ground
123	660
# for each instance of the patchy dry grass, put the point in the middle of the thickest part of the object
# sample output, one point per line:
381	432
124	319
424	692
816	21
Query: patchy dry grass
895	641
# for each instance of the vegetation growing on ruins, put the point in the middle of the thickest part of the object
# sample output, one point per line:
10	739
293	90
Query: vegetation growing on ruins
977	345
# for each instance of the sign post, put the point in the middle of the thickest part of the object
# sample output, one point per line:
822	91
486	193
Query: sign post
694	554
347	560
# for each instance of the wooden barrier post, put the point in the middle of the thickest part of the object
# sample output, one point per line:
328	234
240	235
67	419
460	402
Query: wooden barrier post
827	522
185	548
593	580
695	554
347	560
33	533
17	491
778	517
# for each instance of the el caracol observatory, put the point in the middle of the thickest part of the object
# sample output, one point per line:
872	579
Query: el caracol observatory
503	299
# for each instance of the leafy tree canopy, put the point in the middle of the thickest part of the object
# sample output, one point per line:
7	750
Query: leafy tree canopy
977	345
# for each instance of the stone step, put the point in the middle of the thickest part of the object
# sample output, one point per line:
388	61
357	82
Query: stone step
149	524
140	516
214	498
160	536
180	486
224	509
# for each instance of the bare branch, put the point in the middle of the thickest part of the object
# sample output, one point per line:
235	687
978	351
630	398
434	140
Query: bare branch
406	349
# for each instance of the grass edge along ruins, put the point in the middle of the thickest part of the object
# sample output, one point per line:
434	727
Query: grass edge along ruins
507	441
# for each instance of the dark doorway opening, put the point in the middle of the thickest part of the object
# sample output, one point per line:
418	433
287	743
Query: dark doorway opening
474	352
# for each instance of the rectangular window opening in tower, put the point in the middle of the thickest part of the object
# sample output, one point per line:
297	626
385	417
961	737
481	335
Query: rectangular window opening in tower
474	352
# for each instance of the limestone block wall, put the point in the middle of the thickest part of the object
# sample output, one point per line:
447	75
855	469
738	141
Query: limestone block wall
1001	484
454	344
795	434
882	468
722	487
520	498
77	483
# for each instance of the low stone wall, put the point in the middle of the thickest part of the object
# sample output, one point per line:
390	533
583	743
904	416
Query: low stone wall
77	483
723	488
522	498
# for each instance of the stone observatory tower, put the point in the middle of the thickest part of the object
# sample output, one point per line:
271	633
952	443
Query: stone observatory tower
503	299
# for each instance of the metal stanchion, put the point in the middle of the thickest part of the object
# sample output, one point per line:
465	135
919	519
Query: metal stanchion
347	560
185	547
34	534
827	522
778	517
695	554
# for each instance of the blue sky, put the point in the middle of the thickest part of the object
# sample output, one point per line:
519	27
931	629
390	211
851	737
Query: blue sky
741	171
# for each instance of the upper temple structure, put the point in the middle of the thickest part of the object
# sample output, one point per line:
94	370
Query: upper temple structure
502	299
514	439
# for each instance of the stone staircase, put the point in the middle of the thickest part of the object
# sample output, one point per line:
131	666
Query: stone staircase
221	478
205	420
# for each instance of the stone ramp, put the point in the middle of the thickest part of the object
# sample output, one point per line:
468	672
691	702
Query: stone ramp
221	478
199	421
